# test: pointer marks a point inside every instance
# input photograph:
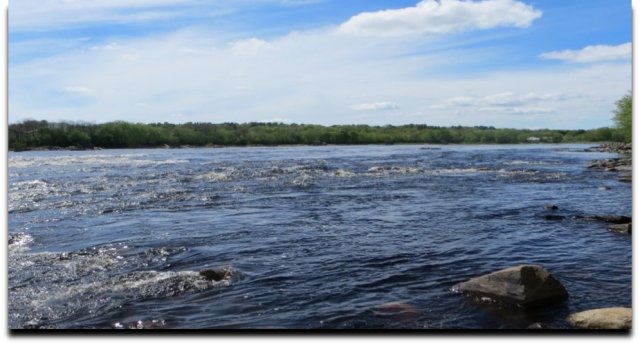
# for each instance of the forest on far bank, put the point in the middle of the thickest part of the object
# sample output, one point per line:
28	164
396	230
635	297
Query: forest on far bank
31	134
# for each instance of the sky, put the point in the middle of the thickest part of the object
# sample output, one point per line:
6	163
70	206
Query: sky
503	63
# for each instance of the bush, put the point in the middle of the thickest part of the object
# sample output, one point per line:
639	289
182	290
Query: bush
623	116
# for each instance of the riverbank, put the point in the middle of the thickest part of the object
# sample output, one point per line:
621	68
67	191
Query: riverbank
31	134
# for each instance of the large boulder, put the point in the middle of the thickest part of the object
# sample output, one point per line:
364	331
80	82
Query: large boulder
604	318
521	286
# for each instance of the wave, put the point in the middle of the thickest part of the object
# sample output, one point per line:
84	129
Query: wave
48	288
84	160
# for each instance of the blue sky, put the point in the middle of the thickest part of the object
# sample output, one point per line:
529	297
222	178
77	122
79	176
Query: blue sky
505	63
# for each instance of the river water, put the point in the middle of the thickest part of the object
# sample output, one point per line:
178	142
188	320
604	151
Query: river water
309	237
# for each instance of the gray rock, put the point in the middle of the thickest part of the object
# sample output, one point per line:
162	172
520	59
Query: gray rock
604	318
521	286
621	228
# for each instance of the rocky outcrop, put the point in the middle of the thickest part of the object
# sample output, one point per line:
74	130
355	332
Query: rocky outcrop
621	228
612	164
606	218
520	286
612	147
622	164
604	318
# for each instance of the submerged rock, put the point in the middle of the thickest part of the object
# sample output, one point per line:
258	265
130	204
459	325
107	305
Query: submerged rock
397	310
521	286
621	228
625	178
610	164
551	207
613	219
603	318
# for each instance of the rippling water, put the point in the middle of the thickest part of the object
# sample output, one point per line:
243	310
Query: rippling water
311	237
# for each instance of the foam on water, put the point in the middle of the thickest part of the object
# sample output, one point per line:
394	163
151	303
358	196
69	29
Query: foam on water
94	281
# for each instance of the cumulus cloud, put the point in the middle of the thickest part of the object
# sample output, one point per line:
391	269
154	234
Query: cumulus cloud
592	54
431	17
375	106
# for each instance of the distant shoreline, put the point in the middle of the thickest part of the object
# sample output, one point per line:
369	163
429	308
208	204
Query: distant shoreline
43	135
599	146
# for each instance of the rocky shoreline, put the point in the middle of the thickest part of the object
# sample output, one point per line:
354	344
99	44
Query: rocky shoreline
622	164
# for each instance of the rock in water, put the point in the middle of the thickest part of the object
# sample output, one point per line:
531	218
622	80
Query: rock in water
521	286
604	318
216	274
551	207
621	228
398	310
607	218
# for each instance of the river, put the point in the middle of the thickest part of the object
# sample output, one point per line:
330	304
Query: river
309	237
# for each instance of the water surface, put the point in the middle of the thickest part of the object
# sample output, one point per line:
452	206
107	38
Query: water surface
315	237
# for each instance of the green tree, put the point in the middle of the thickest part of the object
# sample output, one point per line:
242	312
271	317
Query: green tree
623	116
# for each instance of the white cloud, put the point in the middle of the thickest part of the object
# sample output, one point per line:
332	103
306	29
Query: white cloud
305	77
440	17
592	54
505	99
248	47
510	103
375	106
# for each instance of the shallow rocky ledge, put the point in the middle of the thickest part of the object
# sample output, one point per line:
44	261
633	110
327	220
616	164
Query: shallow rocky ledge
612	147
604	318
622	164
522	286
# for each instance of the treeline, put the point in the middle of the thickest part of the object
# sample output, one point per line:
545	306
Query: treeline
43	134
